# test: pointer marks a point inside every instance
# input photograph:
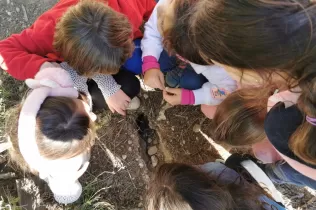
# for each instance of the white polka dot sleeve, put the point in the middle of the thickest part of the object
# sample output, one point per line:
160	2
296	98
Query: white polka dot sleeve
80	82
106	84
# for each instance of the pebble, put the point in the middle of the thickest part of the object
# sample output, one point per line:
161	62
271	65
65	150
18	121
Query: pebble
124	157
155	142
196	128
149	140
152	150
9	13
154	160
141	165
17	9
183	142
172	128
145	96
129	142
130	149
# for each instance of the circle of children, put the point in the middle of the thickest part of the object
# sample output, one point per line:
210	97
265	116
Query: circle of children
250	64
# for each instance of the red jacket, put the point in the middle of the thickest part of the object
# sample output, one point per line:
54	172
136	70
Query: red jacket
23	54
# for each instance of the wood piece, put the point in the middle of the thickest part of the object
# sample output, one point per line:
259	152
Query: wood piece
29	195
9	175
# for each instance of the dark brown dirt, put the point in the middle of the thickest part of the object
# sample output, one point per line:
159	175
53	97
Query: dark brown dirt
120	183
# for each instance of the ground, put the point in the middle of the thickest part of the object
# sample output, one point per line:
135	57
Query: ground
127	149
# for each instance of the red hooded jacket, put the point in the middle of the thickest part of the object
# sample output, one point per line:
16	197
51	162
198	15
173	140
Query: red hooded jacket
22	55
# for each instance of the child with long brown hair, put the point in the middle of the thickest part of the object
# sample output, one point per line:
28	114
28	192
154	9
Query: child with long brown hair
94	37
211	186
51	133
169	21
276	39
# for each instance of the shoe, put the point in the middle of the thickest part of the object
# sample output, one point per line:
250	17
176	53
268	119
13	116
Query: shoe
173	77
134	104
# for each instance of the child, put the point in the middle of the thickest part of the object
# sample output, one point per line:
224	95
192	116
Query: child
211	186
168	24
52	133
242	120
93	37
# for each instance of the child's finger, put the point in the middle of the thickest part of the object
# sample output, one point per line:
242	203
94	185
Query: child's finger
121	111
159	84
112	109
166	95
162	80
172	90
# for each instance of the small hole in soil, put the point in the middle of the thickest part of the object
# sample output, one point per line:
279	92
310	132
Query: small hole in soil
145	132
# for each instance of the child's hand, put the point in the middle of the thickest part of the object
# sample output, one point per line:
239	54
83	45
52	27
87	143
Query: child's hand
173	95
154	78
118	102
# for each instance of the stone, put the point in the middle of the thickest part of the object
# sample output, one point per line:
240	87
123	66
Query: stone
155	142
145	96
149	140
154	160
130	149
129	142
17	9
141	165
152	150
196	128
124	157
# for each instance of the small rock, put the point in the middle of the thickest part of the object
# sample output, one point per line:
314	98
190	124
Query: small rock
140	205
124	157
149	140
17	9
8	1
172	128
145	96
183	142
196	128
130	149
8	13
154	160
132	136
155	142
141	165
152	150
129	142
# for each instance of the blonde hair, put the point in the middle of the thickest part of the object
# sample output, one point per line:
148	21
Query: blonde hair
239	119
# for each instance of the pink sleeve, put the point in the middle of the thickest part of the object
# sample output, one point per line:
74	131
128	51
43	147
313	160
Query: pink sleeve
265	152
187	97
149	62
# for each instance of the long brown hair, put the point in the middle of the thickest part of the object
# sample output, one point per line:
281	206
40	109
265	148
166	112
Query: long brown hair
93	38
176	39
265	36
239	119
178	186
62	132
